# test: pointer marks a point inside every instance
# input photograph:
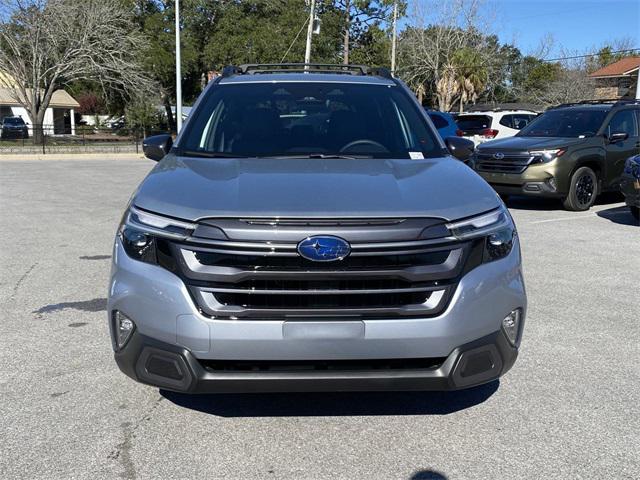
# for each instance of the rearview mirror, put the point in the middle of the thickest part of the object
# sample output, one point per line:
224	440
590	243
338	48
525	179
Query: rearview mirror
156	147
461	148
618	137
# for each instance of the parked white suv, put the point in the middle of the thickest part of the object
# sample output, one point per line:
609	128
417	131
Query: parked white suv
483	126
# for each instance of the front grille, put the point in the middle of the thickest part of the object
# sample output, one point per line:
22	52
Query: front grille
238	279
510	163
312	300
321	365
296	262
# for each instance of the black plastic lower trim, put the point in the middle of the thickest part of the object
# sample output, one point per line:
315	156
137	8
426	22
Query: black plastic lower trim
511	189
472	364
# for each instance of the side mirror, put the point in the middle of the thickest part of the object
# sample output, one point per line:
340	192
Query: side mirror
156	147
461	148
618	137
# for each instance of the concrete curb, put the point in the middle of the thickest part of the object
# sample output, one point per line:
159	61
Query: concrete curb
70	156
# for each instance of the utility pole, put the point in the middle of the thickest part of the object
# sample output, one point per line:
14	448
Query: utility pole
347	33
307	52
178	72
393	40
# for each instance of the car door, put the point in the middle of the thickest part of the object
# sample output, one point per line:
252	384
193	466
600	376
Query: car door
624	121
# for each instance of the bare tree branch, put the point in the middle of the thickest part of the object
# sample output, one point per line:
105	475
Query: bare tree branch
46	44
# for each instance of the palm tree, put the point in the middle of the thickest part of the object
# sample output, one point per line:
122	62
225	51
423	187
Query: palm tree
447	88
470	75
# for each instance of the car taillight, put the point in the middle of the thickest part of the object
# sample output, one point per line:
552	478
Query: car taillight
459	133
489	133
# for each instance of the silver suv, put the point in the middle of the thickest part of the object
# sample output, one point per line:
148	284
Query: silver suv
307	231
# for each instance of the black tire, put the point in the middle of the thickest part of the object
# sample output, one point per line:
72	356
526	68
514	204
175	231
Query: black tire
635	211
582	191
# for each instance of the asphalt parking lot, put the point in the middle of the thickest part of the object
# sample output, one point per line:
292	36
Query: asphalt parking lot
568	409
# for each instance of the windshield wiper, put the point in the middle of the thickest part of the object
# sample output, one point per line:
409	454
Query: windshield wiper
205	154
321	156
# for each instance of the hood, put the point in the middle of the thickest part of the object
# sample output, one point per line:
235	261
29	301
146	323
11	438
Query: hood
196	188
523	144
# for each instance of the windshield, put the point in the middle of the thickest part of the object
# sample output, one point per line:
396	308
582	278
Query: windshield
565	123
471	123
309	119
13	121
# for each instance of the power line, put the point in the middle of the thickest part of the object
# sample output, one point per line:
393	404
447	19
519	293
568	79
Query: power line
547	60
294	40
589	55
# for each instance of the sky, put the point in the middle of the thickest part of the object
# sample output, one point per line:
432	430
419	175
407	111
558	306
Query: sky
575	25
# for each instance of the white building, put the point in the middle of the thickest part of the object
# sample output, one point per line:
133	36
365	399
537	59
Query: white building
59	118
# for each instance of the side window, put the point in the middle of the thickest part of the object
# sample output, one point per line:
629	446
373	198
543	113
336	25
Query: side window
517	121
623	121
507	121
437	120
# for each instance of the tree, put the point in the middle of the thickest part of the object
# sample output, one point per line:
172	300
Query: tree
359	18
45	44
610	52
142	115
156	19
266	31
470	75
90	104
428	47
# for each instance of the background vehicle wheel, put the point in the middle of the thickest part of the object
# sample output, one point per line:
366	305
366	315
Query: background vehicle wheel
635	211
583	190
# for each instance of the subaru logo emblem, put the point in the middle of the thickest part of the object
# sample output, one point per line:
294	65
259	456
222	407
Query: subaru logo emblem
498	156
324	248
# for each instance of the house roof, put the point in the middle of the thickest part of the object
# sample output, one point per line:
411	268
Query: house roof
620	68
60	99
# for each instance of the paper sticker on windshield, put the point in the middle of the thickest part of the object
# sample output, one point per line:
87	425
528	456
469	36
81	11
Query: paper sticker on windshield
416	155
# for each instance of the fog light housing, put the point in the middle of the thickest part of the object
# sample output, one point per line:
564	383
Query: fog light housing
123	327
511	326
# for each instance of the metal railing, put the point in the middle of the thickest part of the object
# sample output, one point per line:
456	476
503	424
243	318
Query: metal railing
46	139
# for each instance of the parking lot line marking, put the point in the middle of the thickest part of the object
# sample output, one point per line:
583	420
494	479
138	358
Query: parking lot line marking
589	214
563	218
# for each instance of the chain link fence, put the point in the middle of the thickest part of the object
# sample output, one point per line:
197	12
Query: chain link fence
47	139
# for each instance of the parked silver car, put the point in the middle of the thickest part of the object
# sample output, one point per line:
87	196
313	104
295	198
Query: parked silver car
310	231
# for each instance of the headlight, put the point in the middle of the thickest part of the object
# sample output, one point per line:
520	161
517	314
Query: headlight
632	166
140	233
496	227
138	244
545	156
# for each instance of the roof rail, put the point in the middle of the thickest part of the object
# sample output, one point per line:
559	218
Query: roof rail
230	70
258	68
613	101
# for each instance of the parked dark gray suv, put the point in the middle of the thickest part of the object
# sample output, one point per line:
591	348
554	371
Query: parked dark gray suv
13	127
309	230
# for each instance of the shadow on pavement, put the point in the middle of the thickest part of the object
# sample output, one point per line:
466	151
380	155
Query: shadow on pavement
334	404
95	305
620	215
549	204
427	475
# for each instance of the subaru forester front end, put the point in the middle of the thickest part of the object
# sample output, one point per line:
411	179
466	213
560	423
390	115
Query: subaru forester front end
310	231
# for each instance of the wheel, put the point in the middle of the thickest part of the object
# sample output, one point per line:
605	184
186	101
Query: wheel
635	211
582	191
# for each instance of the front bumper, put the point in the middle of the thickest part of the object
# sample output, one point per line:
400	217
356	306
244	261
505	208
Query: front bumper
175	368
630	186
541	180
14	133
168	321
